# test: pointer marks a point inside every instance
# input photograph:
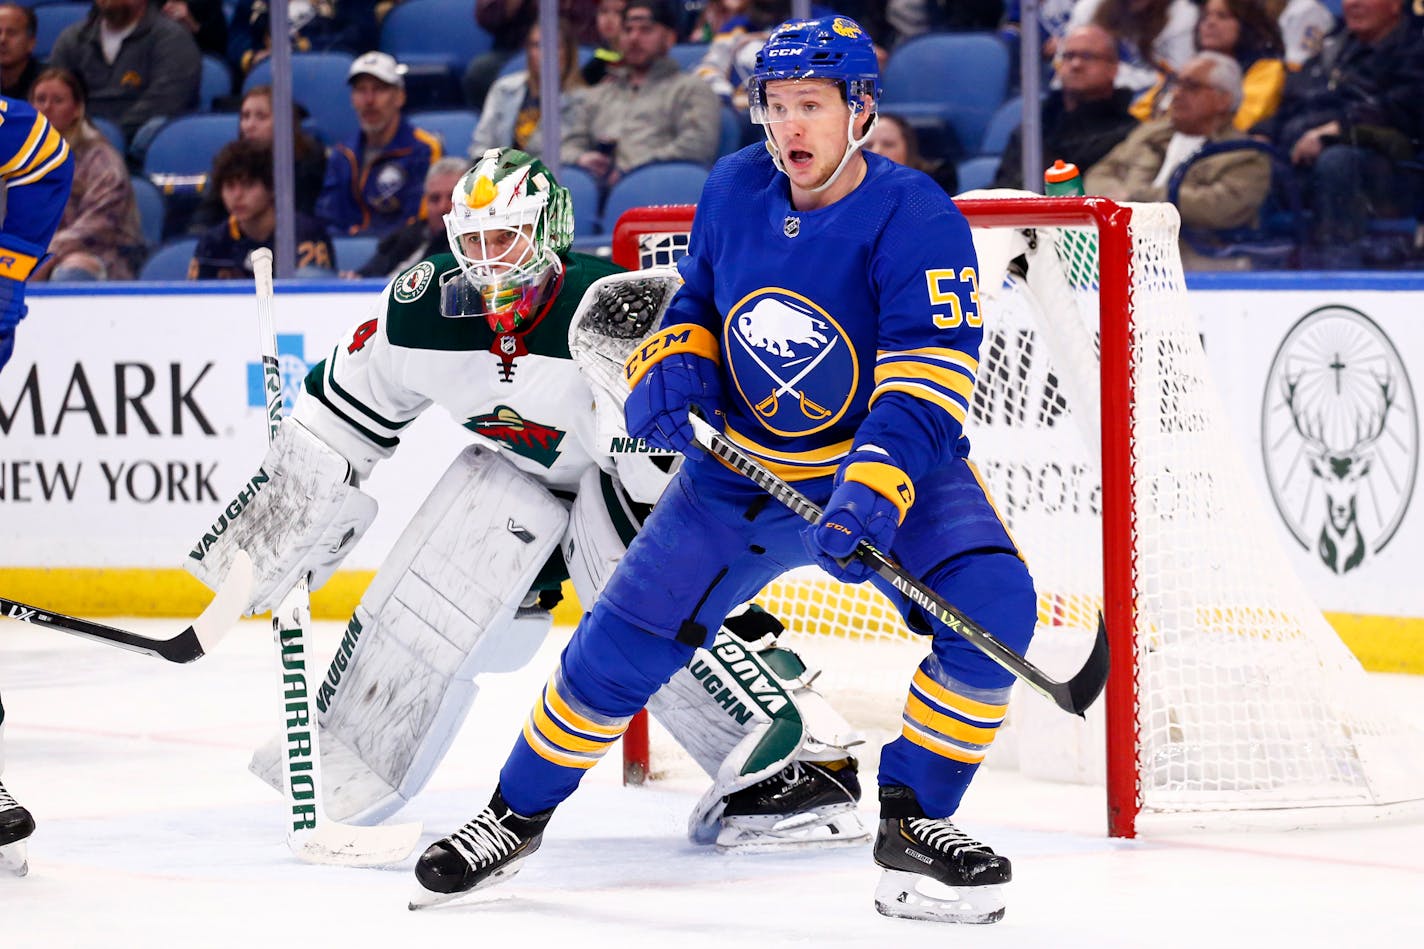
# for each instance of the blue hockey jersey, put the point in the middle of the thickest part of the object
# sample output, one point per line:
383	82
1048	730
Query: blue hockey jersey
849	325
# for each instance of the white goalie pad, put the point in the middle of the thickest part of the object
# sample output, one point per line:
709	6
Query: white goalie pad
443	609
745	710
298	513
616	314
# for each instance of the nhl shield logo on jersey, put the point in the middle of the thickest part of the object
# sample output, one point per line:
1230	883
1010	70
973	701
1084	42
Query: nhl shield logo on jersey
791	362
411	284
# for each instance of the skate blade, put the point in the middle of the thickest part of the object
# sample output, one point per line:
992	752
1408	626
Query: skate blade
425	899
14	859
836	826
906	895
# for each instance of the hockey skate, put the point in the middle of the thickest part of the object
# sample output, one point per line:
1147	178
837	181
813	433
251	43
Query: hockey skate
933	870
16	825
804	804
485	851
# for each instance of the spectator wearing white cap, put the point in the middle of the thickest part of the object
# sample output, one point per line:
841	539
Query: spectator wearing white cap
374	181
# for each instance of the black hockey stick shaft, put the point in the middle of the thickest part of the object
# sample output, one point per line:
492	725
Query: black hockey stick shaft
222	613
1074	696
184	647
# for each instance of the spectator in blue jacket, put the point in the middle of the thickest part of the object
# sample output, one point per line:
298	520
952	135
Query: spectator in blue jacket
320	26
374	182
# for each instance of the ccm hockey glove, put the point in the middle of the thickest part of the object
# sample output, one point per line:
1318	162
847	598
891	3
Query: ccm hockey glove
868	503
673	371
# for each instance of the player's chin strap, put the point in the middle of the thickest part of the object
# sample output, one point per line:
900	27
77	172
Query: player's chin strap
852	145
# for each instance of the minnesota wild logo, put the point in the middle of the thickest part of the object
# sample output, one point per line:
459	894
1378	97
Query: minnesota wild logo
534	441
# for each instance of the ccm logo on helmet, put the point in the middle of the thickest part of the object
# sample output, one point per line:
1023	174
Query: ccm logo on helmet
785	52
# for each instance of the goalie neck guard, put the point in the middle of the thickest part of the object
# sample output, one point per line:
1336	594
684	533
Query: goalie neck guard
508	224
832	48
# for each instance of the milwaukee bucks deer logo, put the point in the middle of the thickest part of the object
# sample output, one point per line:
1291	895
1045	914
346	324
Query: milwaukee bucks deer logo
1340	435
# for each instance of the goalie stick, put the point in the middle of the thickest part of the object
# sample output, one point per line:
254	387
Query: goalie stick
195	642
1074	696
311	835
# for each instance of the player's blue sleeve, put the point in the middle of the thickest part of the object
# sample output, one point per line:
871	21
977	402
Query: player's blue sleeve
694	302
930	333
36	171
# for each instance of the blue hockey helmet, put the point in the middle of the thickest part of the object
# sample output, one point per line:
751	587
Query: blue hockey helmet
833	47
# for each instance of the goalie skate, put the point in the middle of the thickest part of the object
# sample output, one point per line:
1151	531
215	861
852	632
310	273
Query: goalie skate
16	825
485	851
933	870
805	804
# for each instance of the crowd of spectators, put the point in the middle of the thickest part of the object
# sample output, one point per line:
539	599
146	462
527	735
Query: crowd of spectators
1327	108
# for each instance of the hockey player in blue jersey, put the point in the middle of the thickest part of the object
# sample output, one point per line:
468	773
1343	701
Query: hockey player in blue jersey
829	323
35	174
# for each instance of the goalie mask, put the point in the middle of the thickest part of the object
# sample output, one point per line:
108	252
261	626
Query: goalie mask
508	223
832	48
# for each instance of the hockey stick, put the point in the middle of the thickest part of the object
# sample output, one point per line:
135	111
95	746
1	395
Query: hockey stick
195	642
311	835
1074	696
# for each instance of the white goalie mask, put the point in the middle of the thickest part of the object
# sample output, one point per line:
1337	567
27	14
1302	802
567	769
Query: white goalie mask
508	223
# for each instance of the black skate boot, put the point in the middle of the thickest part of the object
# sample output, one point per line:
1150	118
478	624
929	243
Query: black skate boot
486	850
933	870
804	804
16	825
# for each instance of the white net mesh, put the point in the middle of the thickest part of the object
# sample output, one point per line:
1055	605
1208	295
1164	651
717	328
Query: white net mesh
1245	698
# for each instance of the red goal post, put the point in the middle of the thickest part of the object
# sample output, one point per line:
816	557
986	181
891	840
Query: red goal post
1229	694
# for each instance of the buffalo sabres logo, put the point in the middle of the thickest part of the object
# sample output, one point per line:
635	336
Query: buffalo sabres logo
790	360
846	28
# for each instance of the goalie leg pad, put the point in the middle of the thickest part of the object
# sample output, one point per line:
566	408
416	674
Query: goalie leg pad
444	608
298	513
602	523
745	711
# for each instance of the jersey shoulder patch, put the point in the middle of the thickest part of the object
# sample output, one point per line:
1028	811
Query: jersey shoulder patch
412	285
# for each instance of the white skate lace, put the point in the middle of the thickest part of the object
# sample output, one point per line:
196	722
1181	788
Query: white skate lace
943	836
6	801
484	840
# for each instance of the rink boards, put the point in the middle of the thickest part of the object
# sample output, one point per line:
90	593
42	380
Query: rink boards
130	415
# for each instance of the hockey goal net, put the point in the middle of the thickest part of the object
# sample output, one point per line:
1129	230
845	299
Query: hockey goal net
1107	452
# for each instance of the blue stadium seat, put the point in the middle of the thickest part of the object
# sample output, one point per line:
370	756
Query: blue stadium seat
216	82
319	84
352	251
977	172
111	131
996	135
730	138
584	191
170	262
186	144
455	126
51	19
664	182
958	79
423	32
688	55
151	209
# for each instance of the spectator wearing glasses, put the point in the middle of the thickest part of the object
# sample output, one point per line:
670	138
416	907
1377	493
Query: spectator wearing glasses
1221	191
1086	116
1154	36
1243	30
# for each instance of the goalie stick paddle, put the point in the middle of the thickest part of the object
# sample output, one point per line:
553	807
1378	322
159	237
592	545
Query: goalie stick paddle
195	642
1074	696
311	835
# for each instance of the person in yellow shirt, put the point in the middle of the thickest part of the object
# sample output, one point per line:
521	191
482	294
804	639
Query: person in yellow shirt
1243	30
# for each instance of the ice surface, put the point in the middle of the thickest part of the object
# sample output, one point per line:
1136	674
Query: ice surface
152	833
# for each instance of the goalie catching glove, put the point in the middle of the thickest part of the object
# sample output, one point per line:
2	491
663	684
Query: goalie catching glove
869	503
